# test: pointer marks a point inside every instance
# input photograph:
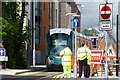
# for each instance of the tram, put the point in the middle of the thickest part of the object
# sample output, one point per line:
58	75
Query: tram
57	38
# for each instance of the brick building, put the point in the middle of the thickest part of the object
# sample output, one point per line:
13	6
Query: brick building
43	16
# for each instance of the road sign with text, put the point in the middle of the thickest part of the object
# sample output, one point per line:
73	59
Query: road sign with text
105	25
96	56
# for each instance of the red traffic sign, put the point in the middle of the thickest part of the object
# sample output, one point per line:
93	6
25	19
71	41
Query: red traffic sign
105	12
96	56
105	16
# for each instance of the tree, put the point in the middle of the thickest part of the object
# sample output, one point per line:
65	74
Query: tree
89	32
13	35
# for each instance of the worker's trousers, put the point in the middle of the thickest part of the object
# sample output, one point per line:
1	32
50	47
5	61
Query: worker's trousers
67	71
82	63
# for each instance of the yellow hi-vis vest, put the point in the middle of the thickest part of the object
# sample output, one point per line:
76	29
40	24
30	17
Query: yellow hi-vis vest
81	53
66	54
89	60
88	56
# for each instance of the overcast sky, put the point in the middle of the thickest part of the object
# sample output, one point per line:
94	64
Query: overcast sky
90	12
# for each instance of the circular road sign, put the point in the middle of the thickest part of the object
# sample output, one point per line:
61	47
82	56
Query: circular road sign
105	12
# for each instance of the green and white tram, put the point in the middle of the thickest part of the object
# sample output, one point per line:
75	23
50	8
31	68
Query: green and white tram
56	40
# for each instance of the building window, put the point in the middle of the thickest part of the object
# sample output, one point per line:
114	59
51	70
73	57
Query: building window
37	22
56	18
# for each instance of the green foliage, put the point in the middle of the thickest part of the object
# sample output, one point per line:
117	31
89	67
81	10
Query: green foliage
13	35
88	32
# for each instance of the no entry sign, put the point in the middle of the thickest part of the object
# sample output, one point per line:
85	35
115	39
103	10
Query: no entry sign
105	12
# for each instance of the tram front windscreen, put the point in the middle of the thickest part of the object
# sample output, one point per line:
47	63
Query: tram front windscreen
59	40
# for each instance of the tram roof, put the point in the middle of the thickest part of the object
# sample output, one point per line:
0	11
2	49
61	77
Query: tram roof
67	31
60	30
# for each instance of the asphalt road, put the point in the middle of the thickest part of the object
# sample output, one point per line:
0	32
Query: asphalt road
34	75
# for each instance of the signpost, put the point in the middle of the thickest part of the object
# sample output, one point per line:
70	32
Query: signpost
105	25
75	24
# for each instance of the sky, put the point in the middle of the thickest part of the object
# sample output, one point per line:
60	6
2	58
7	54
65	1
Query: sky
90	12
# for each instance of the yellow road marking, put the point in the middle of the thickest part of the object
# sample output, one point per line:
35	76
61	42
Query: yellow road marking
56	77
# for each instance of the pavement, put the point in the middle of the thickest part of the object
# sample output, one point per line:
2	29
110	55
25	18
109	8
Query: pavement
20	71
13	71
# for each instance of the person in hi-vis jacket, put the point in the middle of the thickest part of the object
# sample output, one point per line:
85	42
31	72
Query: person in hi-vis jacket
66	54
84	58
